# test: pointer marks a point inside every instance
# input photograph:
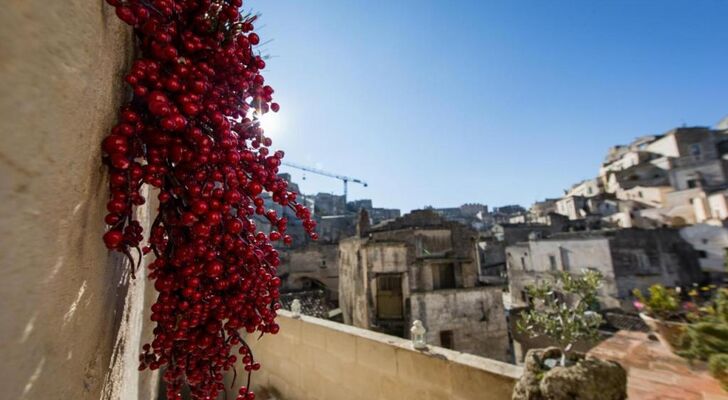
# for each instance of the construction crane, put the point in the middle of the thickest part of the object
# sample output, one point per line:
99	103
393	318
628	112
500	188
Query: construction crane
343	178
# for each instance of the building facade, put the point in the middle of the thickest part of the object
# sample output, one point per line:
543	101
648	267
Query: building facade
627	258
421	266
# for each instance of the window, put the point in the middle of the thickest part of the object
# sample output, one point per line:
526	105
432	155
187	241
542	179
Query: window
695	150
443	276
523	263
389	296
564	259
692	183
645	264
446	339
552	262
702	254
640	194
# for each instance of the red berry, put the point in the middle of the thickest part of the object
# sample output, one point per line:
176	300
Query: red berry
114	144
126	15
185	132
120	161
113	239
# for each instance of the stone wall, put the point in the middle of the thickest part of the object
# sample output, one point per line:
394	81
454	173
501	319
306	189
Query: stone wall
568	255
316	263
72	319
643	258
628	259
353	283
475	317
316	359
711	172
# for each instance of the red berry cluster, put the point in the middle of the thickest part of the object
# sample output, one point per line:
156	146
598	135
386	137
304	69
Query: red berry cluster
191	131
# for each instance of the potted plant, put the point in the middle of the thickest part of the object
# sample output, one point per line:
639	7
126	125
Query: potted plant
662	313
706	337
563	311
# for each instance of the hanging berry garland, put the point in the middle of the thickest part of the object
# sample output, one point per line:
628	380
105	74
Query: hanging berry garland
192	131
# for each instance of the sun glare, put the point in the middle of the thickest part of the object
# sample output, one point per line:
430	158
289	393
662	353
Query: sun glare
270	123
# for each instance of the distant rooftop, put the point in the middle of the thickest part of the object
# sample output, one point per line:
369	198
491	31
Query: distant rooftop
416	219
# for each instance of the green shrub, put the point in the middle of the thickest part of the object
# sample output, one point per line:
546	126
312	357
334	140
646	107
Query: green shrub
718	365
707	339
661	303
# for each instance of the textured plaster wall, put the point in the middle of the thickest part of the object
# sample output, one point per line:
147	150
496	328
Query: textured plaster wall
71	320
475	316
353	283
312	358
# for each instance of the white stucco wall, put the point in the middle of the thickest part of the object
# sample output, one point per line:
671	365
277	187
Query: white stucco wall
666	146
718	205
713	240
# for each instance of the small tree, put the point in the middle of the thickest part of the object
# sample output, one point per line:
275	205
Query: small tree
563	310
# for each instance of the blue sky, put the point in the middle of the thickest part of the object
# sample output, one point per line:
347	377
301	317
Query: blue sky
499	102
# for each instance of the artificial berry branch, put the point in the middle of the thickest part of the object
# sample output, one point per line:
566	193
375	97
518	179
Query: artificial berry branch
192	131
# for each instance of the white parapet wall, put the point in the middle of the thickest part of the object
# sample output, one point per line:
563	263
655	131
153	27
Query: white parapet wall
311	358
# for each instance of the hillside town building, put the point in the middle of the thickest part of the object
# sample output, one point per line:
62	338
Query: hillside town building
422	267
314	265
675	179
627	258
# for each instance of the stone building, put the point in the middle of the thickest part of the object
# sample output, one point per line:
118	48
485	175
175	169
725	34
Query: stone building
573	207
586	188
421	266
679	177
473	214
504	214
314	266
329	204
492	246
514	233
711	243
628	258
673	179
376	214
541	209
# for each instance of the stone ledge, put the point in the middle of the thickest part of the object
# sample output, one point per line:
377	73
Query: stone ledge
491	366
